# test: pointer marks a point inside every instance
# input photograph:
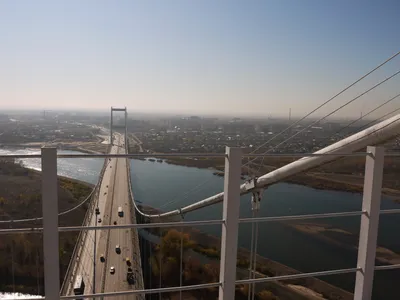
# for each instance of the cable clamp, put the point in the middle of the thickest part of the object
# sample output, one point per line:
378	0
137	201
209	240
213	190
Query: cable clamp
181	213
256	199
251	183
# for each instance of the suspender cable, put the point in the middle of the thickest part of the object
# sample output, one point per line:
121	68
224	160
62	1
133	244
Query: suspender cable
181	265
255	258
367	114
160	264
251	255
12	260
331	113
329	100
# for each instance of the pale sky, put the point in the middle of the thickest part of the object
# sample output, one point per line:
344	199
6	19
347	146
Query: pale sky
198	57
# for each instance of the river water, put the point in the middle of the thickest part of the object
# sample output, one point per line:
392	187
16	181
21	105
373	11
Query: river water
168	186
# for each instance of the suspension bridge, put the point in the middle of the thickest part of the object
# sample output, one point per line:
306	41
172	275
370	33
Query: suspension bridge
115	238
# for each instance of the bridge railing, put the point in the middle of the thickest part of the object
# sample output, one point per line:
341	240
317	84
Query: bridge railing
227	283
135	234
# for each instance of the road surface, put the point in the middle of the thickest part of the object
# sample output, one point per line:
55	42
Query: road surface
84	266
118	197
114	193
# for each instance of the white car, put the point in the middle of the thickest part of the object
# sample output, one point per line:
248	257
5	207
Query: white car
112	270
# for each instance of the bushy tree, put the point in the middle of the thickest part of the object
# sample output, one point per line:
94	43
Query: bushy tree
171	243
266	295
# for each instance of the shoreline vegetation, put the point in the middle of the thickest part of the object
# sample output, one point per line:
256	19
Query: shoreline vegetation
20	197
86	147
205	251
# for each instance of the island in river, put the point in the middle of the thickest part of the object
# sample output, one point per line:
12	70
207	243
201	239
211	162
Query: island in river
341	238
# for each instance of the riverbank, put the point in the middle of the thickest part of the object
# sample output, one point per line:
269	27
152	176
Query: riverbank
334	179
341	238
309	288
92	147
20	197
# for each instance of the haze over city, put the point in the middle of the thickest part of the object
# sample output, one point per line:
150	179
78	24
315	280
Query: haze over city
253	58
228	150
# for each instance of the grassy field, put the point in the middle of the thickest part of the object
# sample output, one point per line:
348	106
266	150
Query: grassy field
20	197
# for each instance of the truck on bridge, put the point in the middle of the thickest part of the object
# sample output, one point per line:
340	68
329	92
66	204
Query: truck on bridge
79	287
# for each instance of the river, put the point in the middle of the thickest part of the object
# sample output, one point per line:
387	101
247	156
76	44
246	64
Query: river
168	186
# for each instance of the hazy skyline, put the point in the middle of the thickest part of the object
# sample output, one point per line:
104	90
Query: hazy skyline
204	57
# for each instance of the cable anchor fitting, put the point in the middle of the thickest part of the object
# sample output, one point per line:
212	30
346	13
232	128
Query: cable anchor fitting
181	214
256	199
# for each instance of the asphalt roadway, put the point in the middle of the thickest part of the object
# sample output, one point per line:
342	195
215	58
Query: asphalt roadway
118	196
114	193
85	263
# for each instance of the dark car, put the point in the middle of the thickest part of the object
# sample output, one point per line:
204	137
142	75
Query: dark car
129	276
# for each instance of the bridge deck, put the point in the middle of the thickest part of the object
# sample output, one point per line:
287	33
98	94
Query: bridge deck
114	193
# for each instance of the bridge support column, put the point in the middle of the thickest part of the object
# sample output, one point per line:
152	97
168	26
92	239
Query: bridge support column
126	130
369	223
111	127
50	223
229	239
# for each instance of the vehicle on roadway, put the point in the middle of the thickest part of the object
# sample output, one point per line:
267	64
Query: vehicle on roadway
129	276
99	220
128	262
120	211
97	211
102	259
118	249
112	270
79	286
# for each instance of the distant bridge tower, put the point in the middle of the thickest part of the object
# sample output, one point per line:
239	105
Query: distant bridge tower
112	126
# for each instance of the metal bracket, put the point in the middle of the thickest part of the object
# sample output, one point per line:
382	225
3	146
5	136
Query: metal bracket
256	199
181	214
251	183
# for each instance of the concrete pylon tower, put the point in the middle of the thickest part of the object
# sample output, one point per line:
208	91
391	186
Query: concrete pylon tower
126	129
112	126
